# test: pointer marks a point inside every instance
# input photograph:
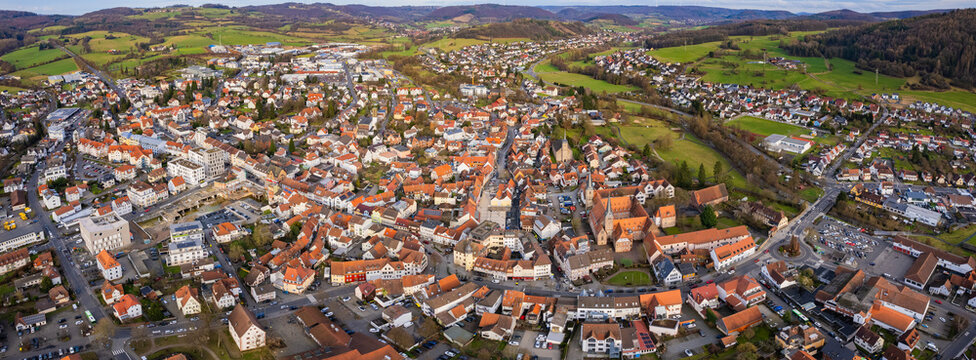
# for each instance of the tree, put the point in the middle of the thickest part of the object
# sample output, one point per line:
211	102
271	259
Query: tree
291	145
746	351
701	174
707	217
103	331
235	252
261	235
710	316
664	142
429	328
46	284
401	338
273	148
748	333
647	152
718	172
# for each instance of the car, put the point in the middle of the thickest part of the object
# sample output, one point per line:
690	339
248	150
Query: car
495	281
374	330
925	326
79	322
450	353
63	326
937	301
689	353
362	308
513	343
408	324
942	318
345	298
329	313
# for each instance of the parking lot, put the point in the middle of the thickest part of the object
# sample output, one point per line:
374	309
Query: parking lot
88	170
63	334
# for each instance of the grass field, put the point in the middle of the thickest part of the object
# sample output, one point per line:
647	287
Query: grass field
687	148
99	42
55	68
10	89
448	44
27	57
239	35
960	99
766	127
572	79
630	278
684	54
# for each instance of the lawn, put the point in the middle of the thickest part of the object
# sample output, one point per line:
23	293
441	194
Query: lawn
545	66
766	127
31	56
683	54
55	68
10	89
572	79
941	245
630	278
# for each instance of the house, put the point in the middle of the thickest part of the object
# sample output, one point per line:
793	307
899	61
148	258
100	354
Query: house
779	275
188	300
29	322
711	195
666	272
221	296
397	315
545	227
600	339
496	327
727	255
801	337
741	292
226	232
111	269
128	307
868	340
59	295
244	329
665	217
111	293
735	323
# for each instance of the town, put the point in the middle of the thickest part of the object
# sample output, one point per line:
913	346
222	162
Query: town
277	201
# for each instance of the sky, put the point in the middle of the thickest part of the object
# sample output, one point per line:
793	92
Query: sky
78	7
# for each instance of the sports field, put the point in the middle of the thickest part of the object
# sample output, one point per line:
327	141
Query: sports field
766	127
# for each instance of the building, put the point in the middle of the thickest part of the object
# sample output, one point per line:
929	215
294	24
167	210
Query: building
14	260
868	340
295	279
741	292
600	339
666	272
20	237
727	255
711	195
188	300
800	337
619	221
128	307
779	275
185	244
227	232
211	159
106	232
244	329
778	143
192	173
665	217
735	323
111	269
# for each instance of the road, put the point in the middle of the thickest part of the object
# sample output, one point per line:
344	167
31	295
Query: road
101	75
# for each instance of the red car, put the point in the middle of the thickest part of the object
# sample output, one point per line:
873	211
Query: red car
937	301
709	281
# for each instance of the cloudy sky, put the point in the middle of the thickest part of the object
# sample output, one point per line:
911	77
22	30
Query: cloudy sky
77	7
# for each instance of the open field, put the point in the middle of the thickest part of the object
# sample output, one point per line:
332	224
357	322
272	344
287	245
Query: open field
10	89
448	44
55	68
685	147
104	41
31	56
684	54
572	79
240	35
960	99
766	127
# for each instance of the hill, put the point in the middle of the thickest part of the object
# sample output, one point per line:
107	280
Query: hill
490	13
686	14
538	30
584	16
940	48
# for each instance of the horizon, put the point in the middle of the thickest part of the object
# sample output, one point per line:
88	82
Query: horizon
73	8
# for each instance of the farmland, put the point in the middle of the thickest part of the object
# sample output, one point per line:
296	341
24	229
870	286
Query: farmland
55	68
684	54
572	79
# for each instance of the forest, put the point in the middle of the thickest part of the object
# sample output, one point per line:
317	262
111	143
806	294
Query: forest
939	48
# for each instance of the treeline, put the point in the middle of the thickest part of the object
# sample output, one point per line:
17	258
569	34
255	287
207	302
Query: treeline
751	28
940	48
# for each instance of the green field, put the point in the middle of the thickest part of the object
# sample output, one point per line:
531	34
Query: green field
684	54
449	44
239	35
766	127
10	89
27	57
55	68
572	79
960	99
122	42
630	278
685	147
